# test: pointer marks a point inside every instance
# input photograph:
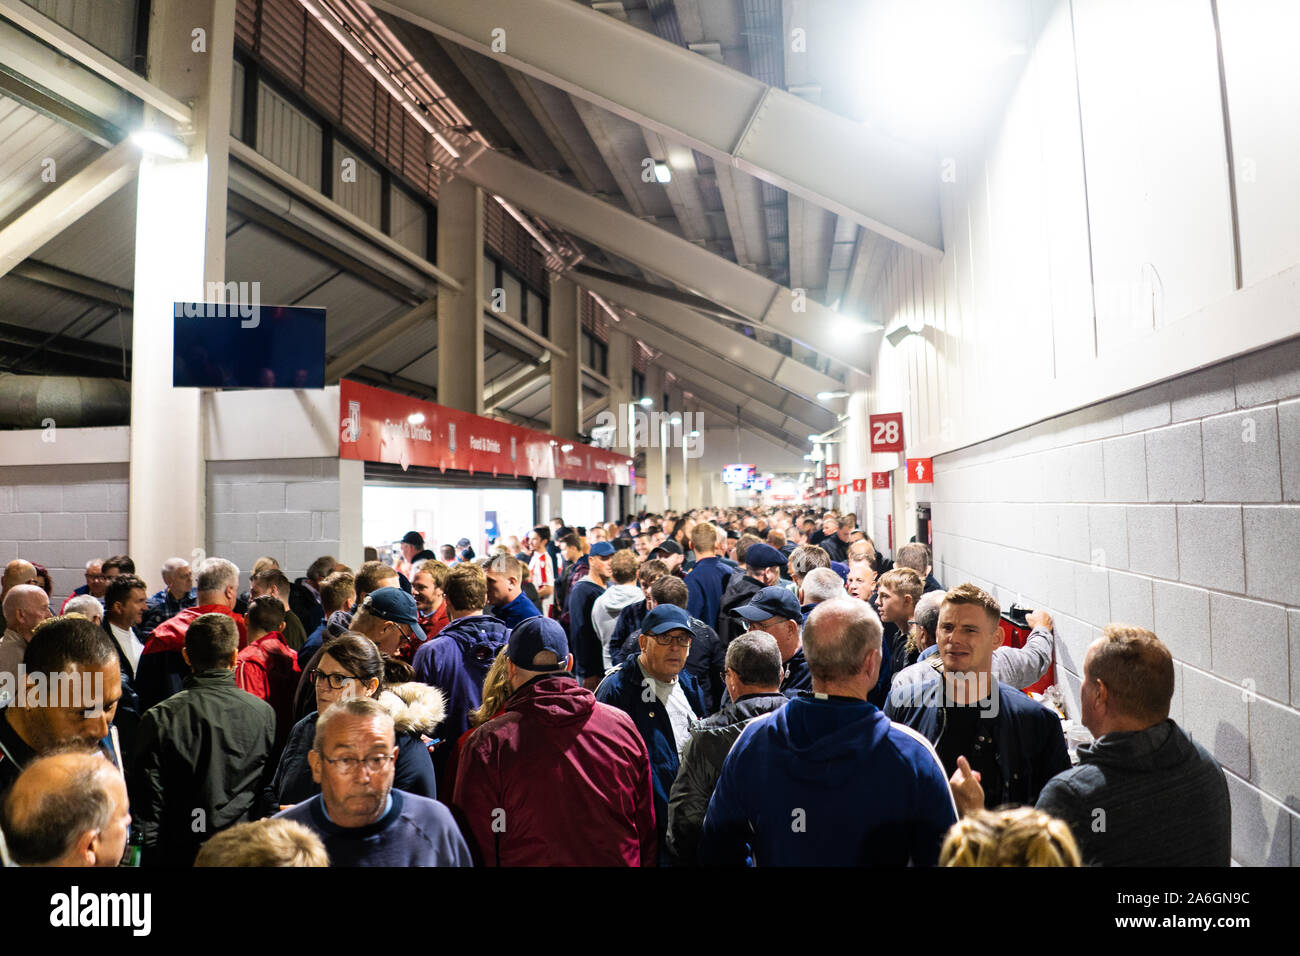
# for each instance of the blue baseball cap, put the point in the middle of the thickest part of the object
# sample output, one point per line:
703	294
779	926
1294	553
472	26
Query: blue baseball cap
775	601
764	556
664	618
531	637
602	549
396	605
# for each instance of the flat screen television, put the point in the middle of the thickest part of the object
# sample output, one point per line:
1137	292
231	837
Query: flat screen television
263	346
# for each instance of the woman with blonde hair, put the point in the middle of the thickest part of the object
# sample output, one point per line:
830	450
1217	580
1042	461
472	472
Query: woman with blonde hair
1016	836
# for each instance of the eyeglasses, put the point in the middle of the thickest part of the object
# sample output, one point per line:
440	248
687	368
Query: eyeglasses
336	681
665	640
375	763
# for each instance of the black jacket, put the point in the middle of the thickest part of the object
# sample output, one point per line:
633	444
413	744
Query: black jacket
710	742
1027	737
1161	797
740	589
202	764
127	718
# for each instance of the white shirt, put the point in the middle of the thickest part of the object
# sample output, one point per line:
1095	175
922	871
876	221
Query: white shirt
129	643
539	572
679	710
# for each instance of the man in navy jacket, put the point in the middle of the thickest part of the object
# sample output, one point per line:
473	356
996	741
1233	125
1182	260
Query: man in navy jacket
661	698
1012	743
828	780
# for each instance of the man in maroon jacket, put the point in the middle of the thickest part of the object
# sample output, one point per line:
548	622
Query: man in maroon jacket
558	779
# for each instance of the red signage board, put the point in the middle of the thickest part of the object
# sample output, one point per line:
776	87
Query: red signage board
859	484
880	479
920	471
886	432
378	425
832	472
842	489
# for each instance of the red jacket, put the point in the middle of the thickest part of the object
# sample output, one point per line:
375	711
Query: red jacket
557	780
268	668
162	671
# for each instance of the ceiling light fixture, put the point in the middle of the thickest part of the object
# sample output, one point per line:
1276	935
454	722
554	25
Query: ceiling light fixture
826	396
160	144
662	173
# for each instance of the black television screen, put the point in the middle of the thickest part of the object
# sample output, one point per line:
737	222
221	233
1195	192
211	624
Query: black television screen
260	346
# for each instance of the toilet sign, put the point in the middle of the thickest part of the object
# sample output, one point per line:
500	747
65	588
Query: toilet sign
920	471
859	484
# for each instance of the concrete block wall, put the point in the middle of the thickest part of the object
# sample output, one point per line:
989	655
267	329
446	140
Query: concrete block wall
62	516
286	508
1176	508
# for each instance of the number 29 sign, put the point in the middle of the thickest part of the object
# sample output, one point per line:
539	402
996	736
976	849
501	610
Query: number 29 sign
886	432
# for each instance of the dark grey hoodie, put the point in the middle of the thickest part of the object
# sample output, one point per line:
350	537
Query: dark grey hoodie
1152	797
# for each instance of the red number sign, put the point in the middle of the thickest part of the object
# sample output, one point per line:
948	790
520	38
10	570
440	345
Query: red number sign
886	432
920	471
832	472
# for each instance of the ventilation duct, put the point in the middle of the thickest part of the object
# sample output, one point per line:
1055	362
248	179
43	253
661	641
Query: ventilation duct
36	401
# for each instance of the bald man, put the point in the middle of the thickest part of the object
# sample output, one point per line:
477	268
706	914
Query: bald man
67	809
16	572
25	606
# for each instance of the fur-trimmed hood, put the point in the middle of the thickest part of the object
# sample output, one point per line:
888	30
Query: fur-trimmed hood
415	707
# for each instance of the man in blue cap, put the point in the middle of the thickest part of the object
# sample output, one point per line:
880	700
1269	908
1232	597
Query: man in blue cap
583	637
390	618
556	779
775	611
763	565
661	698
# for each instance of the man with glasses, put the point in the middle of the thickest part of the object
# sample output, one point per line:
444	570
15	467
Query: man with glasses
96	583
390	618
661	699
359	816
776	611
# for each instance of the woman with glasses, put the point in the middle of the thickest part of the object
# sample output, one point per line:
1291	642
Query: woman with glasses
350	665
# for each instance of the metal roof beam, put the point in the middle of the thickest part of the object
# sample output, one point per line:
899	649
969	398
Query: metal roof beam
828	159
515	385
729	345
356	355
66	203
754	297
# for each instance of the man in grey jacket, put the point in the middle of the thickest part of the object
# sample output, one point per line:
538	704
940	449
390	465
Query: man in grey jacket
1144	793
753	677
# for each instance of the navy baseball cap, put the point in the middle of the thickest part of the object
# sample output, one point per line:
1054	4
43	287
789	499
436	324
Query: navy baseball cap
602	549
394	604
664	618
531	637
463	543
775	601
764	556
414	539
669	546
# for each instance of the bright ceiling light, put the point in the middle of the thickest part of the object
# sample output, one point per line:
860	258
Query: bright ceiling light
647	402
849	326
416	418
160	144
695	433
662	173
814	438
827	396
566	447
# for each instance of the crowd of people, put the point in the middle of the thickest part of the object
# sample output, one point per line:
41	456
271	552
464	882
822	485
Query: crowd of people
726	687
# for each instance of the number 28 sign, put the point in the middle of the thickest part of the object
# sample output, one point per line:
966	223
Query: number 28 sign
886	432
